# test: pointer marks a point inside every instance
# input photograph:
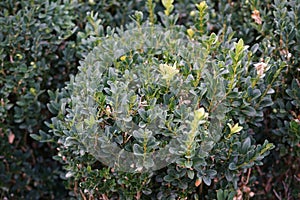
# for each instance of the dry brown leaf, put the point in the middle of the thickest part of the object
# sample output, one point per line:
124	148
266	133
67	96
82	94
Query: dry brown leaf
11	138
256	16
198	182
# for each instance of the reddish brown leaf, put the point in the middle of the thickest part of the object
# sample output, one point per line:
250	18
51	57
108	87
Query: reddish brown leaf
11	138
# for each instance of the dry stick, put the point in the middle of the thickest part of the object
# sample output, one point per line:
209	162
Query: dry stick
75	188
82	195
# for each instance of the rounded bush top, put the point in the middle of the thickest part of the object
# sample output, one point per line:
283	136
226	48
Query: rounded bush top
136	99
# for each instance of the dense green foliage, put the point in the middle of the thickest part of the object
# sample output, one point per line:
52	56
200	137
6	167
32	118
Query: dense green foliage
42	43
278	37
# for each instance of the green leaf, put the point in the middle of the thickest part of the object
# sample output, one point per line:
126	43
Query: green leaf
147	191
254	48
225	194
43	137
167	3
168	178
246	145
232	166
236	104
36	137
220	195
138	150
143	114
188	163
206	180
211	173
267	101
228	175
21	103
249	111
239	47
148	162
190	174
255	94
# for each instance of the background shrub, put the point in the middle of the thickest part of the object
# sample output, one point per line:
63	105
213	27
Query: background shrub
274	26
41	44
280	37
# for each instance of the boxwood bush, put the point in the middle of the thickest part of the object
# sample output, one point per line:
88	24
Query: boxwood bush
240	93
161	90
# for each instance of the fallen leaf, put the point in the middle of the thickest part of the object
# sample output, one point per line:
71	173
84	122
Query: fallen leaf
11	138
198	182
256	16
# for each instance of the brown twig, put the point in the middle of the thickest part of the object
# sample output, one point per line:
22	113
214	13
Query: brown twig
82	195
